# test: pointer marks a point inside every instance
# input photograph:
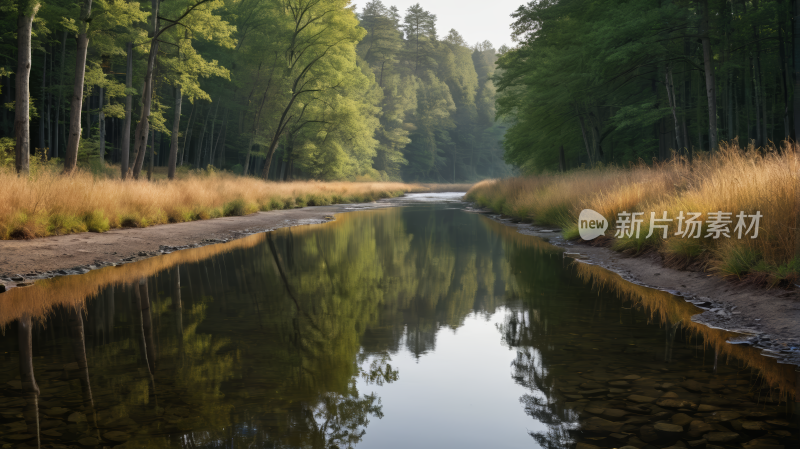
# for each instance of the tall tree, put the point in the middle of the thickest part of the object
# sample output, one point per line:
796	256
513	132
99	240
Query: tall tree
26	10
76	102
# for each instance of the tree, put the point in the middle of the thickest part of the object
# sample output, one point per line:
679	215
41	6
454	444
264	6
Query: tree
26	10
76	101
420	29
199	13
318	54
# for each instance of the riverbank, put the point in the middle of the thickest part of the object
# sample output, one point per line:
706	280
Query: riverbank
733	181
25	261
766	318
49	204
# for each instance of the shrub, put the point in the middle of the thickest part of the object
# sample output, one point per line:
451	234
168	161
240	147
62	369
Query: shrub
237	207
96	221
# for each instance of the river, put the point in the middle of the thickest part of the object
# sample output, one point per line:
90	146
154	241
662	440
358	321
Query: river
422	326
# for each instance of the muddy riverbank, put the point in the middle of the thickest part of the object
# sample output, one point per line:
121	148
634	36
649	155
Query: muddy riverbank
768	319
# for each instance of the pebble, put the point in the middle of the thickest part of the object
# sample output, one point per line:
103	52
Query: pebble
721	437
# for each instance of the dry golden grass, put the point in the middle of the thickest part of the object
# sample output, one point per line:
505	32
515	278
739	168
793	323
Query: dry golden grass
48	203
731	180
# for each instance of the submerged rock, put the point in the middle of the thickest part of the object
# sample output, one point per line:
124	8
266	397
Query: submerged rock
600	425
721	437
681	419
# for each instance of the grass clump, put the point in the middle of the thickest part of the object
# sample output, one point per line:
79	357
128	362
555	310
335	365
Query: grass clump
96	221
238	208
60	223
738	261
681	253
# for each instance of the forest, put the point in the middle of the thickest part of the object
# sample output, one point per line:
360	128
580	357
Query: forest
620	81
277	89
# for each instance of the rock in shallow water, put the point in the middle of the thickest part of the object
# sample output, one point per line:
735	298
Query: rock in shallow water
762	444
721	437
681	419
600	425
641	399
668	431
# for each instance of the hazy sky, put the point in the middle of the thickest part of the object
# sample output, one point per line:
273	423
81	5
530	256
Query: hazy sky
476	20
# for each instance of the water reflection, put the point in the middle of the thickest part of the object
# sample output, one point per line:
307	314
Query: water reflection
290	339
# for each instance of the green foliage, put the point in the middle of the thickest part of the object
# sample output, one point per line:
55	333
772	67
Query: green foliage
596	78
313	87
96	221
63	223
738	261
237	207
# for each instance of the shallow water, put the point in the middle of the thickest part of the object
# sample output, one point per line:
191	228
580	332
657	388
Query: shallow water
416	326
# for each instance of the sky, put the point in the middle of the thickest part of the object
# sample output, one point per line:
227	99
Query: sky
476	20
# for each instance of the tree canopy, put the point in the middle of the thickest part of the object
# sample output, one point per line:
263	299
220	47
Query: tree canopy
280	89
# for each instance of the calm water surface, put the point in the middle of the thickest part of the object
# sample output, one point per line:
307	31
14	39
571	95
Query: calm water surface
419	326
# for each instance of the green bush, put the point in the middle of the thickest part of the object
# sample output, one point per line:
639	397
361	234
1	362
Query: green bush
60	223
237	207
738	261
96	221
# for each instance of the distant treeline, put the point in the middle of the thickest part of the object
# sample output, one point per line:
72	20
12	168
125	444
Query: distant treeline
274	88
615	81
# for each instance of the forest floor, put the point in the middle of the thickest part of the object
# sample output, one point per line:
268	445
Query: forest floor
767	318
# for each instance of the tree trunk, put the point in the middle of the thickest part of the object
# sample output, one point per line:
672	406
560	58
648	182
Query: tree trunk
784	86
215	148
760	138
210	151
49	134
76	103
221	149
125	145
101	117
256	124
173	149
199	151
22	123
142	128
796	64
711	90
246	167
60	94
585	139
186	136
42	143
673	105
152	153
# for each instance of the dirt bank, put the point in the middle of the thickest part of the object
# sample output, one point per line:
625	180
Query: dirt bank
23	261
76	253
768	319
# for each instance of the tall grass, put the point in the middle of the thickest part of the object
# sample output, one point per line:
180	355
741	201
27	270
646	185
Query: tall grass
47	203
731	180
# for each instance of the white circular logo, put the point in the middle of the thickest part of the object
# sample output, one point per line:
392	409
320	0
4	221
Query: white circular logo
591	224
